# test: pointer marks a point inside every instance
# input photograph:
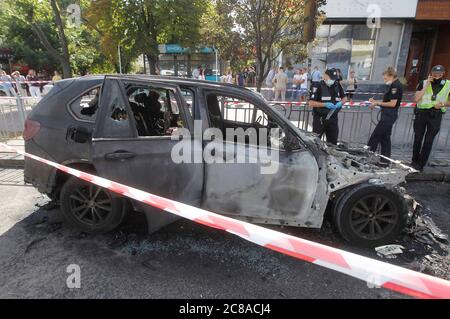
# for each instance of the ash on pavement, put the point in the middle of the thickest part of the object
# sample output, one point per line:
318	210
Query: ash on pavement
184	260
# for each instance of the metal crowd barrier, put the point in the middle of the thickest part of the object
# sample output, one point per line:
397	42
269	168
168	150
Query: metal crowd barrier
13	112
356	124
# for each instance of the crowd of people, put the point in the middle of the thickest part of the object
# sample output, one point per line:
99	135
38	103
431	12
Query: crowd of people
293	84
245	77
32	85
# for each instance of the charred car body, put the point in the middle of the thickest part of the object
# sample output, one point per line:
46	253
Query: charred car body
120	128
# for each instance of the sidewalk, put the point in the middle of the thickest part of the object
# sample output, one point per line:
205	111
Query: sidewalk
12	160
432	173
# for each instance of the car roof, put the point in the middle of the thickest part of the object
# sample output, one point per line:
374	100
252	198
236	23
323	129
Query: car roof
165	79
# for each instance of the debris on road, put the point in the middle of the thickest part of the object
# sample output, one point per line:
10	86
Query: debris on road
427	245
118	240
422	229
389	251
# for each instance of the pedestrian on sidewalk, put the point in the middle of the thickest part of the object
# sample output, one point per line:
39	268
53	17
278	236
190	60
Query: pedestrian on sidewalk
290	75
6	81
56	77
352	85
316	77
240	78
432	99
389	114
300	85
269	83
229	79
196	72
20	83
33	85
280	81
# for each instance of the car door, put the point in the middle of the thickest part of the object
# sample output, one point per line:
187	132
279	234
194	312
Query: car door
282	192
144	162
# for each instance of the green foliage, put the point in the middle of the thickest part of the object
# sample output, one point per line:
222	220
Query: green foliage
140	25
16	33
218	29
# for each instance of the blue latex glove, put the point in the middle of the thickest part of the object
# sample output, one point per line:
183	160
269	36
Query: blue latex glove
339	105
330	106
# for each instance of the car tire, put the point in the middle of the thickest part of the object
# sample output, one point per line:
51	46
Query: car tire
90	208
370	215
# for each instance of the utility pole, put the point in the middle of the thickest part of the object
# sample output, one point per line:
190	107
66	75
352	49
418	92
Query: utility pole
120	59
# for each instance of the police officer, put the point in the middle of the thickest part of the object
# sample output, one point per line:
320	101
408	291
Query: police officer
432	98
389	113
327	99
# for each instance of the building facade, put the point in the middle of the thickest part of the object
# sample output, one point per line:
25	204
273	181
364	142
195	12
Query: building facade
368	35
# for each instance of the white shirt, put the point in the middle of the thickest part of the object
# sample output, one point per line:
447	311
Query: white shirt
195	73
304	85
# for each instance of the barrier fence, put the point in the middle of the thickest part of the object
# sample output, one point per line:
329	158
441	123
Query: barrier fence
356	123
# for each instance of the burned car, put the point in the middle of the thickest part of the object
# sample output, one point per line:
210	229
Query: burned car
124	128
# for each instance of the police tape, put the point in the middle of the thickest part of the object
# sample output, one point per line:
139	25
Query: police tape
25	82
346	92
374	272
347	104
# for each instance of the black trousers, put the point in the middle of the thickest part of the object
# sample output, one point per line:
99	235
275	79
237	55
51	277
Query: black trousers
382	134
426	126
328	127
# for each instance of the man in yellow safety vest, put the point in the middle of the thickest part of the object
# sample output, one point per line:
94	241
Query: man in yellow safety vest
432	98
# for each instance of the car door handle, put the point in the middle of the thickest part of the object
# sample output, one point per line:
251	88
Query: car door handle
119	155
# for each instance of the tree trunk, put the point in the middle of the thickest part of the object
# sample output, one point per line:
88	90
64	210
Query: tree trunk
67	70
152	63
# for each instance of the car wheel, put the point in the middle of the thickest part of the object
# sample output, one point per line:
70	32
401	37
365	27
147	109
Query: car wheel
90	208
370	215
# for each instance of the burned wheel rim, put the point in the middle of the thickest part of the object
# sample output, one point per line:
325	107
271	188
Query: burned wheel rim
373	217
90	204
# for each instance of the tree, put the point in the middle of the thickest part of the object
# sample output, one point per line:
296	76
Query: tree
40	35
218	30
269	27
140	25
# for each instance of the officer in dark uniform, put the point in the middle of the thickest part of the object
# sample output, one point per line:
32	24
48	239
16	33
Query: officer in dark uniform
389	113
432	98
327	99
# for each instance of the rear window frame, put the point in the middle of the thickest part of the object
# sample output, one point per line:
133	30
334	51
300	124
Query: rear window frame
71	101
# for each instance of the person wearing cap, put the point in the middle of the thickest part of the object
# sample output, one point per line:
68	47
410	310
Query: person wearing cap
389	114
327	99
432	98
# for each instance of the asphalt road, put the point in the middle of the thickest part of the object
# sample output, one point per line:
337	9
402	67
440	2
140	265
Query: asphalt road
184	260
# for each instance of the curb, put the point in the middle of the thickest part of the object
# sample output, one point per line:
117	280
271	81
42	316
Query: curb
12	163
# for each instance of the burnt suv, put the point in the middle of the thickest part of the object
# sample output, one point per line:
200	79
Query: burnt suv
121	128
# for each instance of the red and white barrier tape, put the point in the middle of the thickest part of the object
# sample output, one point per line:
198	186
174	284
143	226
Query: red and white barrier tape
25	82
374	272
365	103
349	104
346	92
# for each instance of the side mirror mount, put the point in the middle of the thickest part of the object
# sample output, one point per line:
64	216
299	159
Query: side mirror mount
79	134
